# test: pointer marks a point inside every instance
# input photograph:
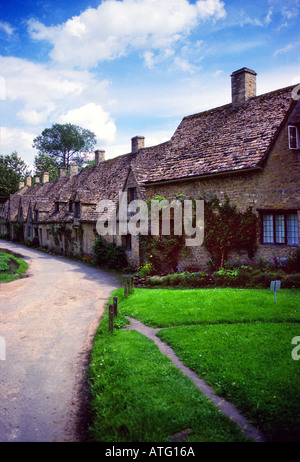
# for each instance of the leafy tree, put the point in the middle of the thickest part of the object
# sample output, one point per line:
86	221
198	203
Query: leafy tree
12	169
44	163
65	143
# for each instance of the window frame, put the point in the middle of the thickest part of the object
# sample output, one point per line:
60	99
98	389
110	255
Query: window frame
132	194
77	209
276	213
297	137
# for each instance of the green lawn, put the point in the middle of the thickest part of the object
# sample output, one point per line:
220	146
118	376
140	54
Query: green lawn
169	307
238	340
19	267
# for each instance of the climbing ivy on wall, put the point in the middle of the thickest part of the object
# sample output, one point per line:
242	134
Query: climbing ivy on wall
226	228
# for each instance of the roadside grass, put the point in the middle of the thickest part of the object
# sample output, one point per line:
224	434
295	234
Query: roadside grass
7	261
238	340
139	396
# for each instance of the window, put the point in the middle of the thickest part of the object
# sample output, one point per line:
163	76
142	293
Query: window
56	207
131	194
280	228
70	206
294	138
36	215
126	241
77	209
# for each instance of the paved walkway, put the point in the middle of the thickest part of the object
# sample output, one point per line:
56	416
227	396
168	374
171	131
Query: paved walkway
48	321
227	408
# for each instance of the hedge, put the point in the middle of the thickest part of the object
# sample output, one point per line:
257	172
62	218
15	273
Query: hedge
249	278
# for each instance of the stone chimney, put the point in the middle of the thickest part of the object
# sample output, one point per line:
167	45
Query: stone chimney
21	184
243	86
62	172
28	181
36	179
99	157
73	170
45	177
137	143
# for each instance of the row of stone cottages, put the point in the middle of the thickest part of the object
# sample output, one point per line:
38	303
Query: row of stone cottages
248	149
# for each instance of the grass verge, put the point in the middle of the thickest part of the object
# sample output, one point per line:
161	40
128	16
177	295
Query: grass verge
139	396
238	340
11	267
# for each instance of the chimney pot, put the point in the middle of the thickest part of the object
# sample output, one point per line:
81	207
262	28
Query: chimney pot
21	184
243	86
28	181
36	179
137	143
99	156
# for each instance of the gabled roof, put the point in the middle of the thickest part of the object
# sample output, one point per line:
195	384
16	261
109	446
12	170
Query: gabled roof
218	141
221	140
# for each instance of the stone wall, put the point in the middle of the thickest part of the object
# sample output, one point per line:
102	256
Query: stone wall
274	186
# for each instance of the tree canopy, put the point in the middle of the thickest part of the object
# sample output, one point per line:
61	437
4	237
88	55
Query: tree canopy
45	163
12	170
65	143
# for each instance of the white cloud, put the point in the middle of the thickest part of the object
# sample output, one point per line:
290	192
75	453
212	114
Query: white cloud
285	49
19	140
94	118
7	28
116	28
44	92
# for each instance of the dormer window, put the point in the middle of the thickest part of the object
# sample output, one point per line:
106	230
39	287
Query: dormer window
70	206
56	207
294	137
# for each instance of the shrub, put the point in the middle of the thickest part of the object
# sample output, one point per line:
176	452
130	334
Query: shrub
146	270
109	255
4	263
239	277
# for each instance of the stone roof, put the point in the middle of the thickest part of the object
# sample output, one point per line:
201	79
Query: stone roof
220	140
217	141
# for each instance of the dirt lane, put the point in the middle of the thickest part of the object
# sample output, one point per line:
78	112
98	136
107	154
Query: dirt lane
48	322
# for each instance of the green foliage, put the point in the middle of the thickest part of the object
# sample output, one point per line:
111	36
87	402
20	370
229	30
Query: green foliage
56	233
11	267
108	255
18	232
4	263
243	277
65	143
45	163
163	250
226	228
12	169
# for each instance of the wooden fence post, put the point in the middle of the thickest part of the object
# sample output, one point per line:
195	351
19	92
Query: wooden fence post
125	289
111	318
115	306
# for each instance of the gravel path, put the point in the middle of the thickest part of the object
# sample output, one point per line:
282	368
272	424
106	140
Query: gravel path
48	321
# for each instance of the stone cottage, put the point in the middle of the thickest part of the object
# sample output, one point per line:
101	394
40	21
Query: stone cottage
248	150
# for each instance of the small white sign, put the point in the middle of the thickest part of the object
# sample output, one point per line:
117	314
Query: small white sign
275	285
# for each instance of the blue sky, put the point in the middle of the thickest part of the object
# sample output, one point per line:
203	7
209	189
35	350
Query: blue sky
134	67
